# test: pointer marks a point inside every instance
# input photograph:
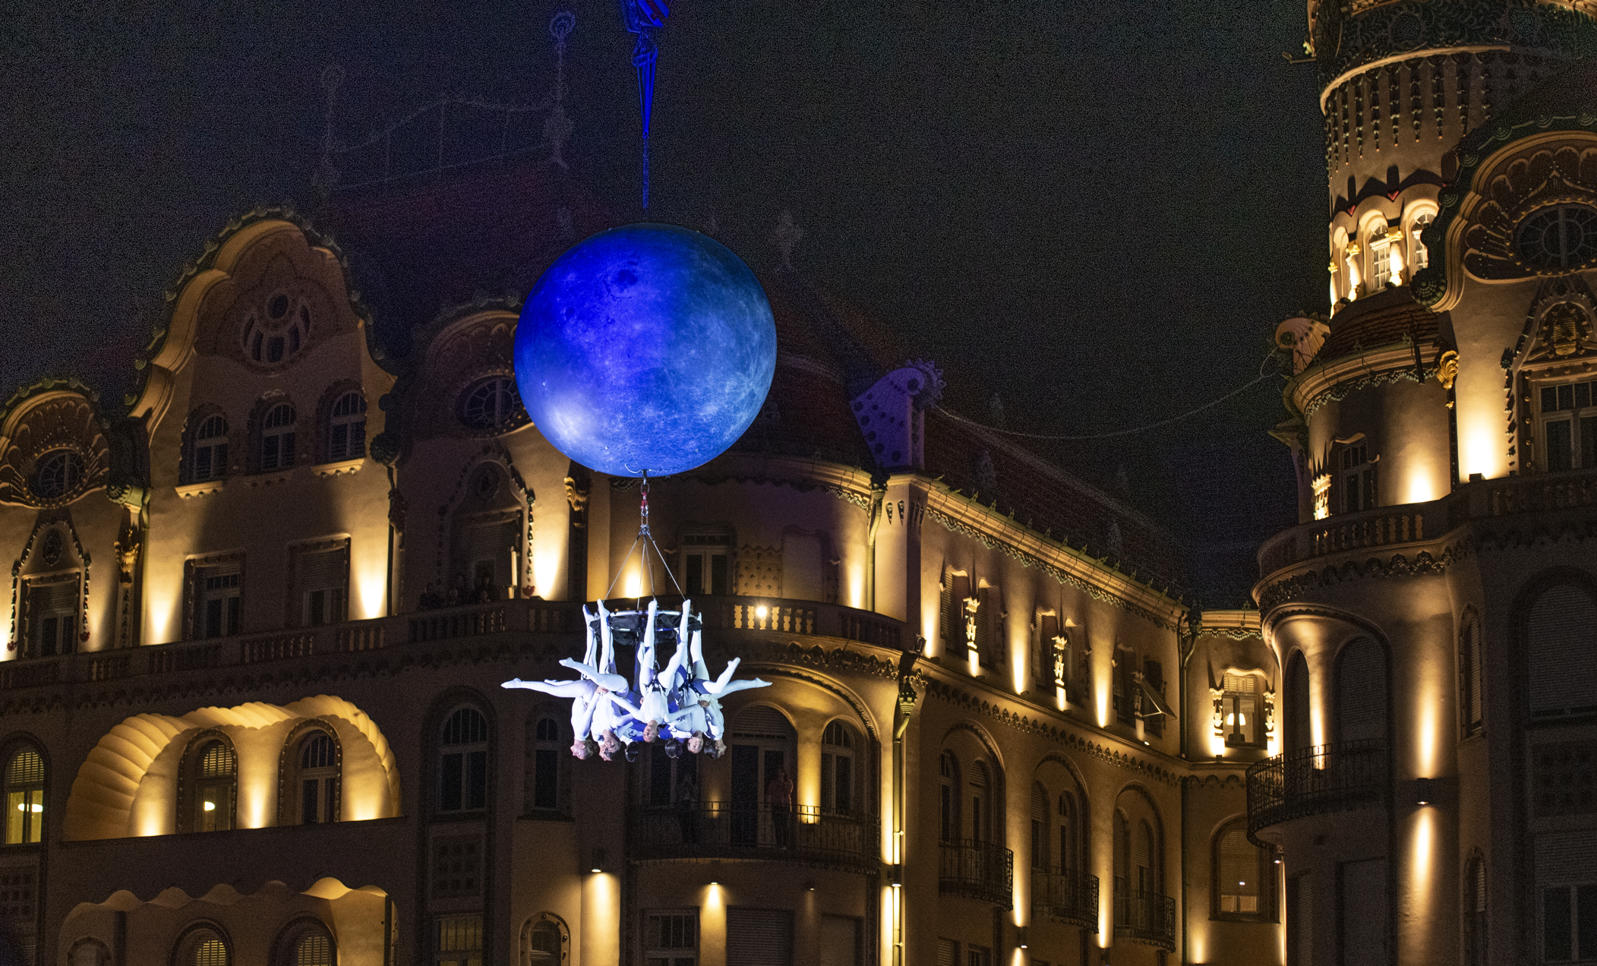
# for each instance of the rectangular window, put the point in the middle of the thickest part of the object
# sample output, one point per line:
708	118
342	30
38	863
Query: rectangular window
947	952
457	867
52	617
978	956
955	589
759	937
1356	478
1566	418
218	594
1241	717
706	566
321	582
457	940
671	937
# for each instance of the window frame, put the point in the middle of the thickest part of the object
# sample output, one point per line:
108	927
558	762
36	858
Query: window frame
470	751
1580	420
662	954
344	429
1264	874
25	796
841	759
275	437
294	773
196	784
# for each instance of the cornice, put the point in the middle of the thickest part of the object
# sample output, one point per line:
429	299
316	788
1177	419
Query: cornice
1334	379
1075	568
965	701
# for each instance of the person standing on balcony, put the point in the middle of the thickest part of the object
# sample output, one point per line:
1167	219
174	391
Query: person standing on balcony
779	796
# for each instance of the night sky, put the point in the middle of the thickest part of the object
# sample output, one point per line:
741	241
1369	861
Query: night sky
1098	211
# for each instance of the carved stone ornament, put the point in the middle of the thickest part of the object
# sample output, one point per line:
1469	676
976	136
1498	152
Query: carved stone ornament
1505	238
56	453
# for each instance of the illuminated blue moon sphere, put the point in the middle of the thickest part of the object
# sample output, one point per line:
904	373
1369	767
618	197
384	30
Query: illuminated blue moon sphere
645	349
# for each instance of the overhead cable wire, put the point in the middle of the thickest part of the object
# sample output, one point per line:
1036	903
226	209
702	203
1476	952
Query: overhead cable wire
1265	372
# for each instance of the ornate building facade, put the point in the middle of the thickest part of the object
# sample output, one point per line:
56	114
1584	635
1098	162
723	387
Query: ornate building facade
1433	611
261	608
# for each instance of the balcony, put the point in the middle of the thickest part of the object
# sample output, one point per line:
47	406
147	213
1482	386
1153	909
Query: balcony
1145	917
721	830
979	870
510	620
1069	897
1417	523
1312	781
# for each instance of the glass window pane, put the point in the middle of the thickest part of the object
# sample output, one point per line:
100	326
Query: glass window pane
1559	446
1586	920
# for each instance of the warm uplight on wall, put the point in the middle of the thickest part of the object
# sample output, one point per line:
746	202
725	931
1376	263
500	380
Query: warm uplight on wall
633	585
546	563
856	584
1480	443
370	586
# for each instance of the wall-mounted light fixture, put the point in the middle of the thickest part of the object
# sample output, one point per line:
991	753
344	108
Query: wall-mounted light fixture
1424	791
596	861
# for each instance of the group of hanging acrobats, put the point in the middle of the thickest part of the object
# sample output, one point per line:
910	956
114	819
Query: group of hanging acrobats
680	703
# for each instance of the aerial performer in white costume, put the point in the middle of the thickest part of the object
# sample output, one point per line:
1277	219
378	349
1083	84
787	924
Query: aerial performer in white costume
681	700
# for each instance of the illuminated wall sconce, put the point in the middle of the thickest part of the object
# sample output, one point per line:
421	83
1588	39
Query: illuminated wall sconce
596	861
1020	937
895	875
1424	791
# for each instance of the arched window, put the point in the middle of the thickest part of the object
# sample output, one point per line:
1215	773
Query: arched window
1244	875
1298	734
346	427
1148	860
1419	255
57	474
1072	834
546	745
211	780
24	782
1384	260
980	797
89	952
1361	692
275	444
948	797
545	941
202	946
463	762
305	942
205	456
1562	663
490	405
1041	827
838	777
314	782
1475	912
1469	676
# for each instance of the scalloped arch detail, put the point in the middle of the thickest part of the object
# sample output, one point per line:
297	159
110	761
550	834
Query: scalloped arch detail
127	784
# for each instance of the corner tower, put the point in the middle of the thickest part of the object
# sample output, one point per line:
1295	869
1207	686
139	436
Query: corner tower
1432	609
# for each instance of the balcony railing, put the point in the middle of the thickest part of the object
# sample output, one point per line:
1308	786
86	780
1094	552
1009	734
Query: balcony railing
1311	781
726	830
980	870
511	618
1065	897
1420	522
1146	917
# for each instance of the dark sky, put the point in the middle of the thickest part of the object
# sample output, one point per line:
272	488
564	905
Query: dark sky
1097	209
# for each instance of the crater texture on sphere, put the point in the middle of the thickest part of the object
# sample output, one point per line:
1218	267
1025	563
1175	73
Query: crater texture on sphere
646	348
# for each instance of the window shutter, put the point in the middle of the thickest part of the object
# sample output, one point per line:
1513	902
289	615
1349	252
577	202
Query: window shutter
759	937
947	952
1360	692
1565	858
1563	664
323	569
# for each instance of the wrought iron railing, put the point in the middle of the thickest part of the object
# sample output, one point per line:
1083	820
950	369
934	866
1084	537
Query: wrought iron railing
1065	897
728	830
1145	917
980	870
1310	781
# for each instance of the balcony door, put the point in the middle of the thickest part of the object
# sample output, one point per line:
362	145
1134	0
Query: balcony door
762	743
